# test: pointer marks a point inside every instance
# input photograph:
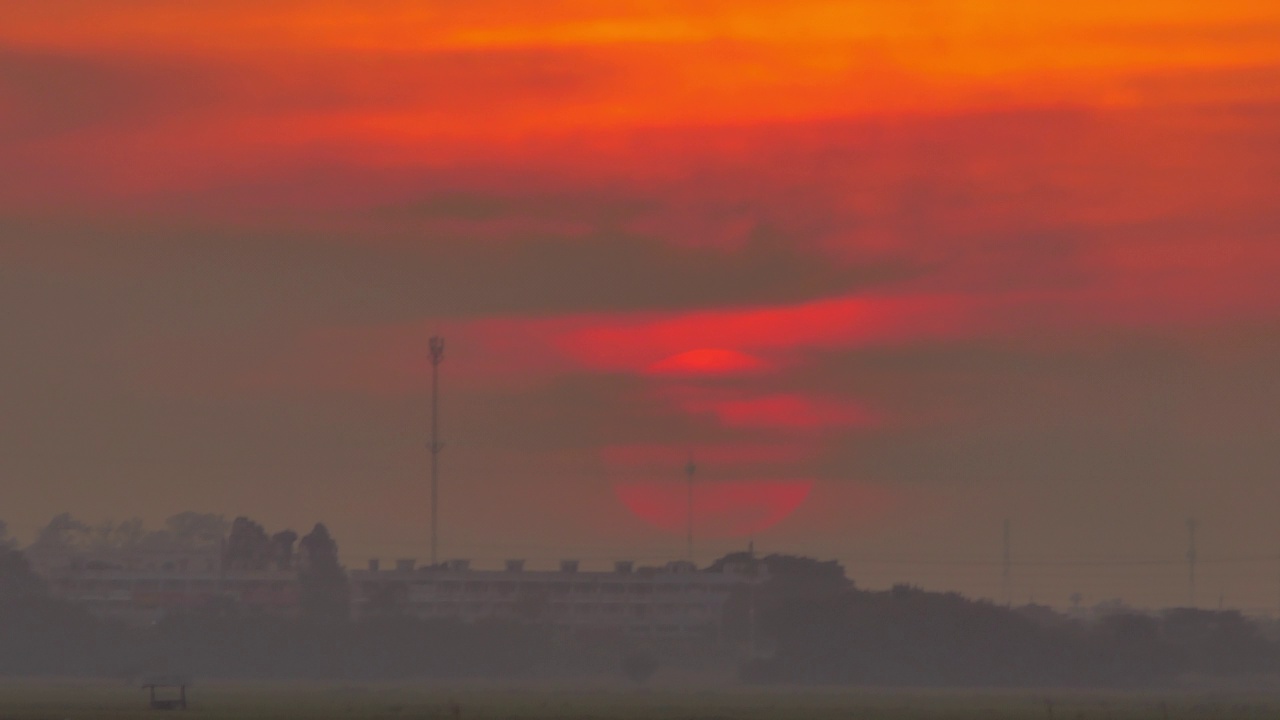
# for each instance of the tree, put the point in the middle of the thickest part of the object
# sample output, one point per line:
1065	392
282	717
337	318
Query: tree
282	549
123	536
62	533
17	580
248	547
198	531
322	581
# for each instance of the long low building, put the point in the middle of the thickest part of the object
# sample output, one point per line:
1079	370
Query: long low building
142	587
672	600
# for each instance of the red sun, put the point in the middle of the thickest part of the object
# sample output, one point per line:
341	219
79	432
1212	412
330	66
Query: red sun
720	508
708	361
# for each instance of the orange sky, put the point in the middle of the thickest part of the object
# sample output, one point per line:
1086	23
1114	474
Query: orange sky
965	258
405	78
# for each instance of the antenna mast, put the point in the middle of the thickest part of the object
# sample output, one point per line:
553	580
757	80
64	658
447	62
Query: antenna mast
1007	568
1191	561
689	469
437	356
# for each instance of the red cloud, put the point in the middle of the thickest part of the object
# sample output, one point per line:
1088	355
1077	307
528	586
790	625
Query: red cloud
630	343
720	509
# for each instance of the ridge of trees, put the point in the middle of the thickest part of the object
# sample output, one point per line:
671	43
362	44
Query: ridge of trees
806	623
187	531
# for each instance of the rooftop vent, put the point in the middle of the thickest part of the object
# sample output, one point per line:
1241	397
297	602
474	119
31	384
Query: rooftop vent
405	565
373	565
568	566
459	565
623	567
515	566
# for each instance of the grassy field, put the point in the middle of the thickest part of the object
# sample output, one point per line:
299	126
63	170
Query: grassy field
72	700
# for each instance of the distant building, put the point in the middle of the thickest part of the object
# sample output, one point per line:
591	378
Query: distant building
142	586
675	600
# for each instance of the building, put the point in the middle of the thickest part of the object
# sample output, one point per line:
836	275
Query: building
675	600
141	586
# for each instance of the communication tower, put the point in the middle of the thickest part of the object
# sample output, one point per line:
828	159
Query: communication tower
1006	570
689	470
437	356
1191	561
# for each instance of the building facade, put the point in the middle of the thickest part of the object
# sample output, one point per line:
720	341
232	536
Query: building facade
674	600
141	587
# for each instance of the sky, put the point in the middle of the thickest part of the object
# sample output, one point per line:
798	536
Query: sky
889	271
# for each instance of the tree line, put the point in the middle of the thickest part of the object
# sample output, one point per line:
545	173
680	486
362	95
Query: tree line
805	623
816	627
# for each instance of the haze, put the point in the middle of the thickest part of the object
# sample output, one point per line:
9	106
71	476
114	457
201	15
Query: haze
940	263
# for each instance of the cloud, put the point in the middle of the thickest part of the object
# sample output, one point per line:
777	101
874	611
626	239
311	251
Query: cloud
47	93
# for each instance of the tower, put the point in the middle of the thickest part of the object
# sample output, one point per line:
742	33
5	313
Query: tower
1006	570
689	469
437	356
1191	562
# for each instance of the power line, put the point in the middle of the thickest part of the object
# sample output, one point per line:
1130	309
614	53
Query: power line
1066	562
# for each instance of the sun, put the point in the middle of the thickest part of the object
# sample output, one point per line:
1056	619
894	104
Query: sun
708	362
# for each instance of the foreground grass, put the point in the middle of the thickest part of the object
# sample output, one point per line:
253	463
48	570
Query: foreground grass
54	700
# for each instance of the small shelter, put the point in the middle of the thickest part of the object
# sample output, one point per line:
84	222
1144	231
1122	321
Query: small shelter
168	692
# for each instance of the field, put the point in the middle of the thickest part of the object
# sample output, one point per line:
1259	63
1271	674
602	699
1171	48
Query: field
72	700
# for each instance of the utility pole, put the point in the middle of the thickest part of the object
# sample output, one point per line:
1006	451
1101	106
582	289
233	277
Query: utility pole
689	469
1007	568
751	598
437	356
1191	562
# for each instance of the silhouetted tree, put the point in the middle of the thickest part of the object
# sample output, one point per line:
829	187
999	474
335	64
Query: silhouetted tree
322	582
1215	642
197	531
125	535
248	547
62	533
18	582
282	549
787	579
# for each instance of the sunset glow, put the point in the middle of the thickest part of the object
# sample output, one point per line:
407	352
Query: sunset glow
720	509
708	361
963	247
